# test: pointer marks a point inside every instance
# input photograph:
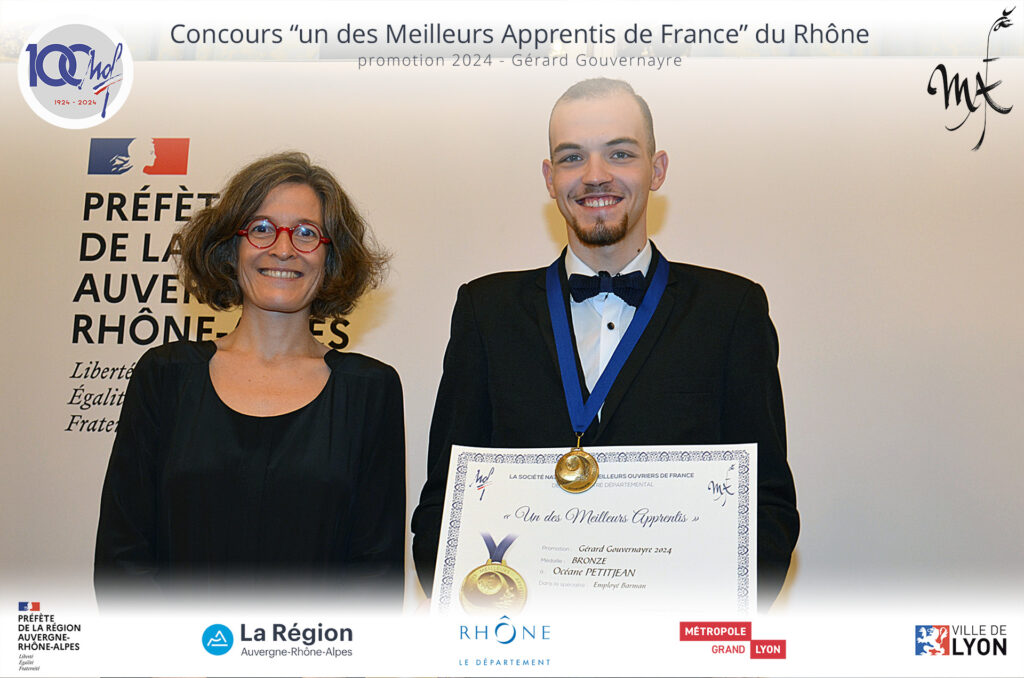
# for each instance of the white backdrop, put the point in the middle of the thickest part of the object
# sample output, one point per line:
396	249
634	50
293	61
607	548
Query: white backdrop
888	249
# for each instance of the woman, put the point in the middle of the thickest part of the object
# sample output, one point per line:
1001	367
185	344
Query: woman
262	457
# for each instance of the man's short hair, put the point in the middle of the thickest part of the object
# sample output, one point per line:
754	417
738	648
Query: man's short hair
596	88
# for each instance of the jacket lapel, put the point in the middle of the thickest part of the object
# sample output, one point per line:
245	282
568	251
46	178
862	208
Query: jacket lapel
538	303
642	351
542	313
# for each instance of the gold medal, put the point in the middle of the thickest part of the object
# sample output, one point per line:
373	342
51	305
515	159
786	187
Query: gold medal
493	587
576	470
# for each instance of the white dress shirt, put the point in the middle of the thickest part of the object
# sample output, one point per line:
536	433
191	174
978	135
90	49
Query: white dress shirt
599	322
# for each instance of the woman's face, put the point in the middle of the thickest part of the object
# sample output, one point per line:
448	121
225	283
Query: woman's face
279	278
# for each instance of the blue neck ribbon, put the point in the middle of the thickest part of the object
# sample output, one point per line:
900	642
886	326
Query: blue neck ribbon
581	414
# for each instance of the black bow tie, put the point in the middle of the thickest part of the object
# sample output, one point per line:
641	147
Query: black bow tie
630	287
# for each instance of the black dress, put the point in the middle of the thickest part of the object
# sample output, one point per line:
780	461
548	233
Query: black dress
199	495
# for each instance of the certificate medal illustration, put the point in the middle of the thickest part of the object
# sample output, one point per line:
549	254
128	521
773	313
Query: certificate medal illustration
494	585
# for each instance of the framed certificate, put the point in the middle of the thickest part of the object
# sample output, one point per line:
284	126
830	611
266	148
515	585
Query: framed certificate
664	527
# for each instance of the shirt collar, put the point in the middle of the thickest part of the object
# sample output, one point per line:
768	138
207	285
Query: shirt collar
642	262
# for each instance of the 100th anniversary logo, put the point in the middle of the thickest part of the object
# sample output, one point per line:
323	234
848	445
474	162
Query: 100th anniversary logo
75	76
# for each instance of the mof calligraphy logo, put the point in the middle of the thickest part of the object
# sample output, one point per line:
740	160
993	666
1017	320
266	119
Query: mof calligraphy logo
483	481
75	76
931	640
960	88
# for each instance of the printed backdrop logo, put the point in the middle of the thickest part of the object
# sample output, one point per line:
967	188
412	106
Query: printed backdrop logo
217	639
960	89
75	76
931	640
28	607
152	155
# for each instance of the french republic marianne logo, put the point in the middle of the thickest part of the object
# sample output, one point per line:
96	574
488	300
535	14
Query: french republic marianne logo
218	639
75	76
931	640
130	155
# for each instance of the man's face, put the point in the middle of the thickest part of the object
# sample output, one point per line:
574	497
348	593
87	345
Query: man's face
601	171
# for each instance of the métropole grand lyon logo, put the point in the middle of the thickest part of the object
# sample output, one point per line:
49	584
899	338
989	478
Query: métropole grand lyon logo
75	76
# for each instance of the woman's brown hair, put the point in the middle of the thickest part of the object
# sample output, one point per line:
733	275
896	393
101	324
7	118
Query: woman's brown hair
209	249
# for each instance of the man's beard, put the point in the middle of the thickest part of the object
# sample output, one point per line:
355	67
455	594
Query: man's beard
601	234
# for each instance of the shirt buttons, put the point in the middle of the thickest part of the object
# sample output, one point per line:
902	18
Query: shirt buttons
611	326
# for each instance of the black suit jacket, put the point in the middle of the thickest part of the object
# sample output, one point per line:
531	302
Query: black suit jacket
704	372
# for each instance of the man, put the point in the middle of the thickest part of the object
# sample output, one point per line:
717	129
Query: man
704	370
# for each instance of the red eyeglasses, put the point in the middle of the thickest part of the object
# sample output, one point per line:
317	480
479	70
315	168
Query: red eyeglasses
262	233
